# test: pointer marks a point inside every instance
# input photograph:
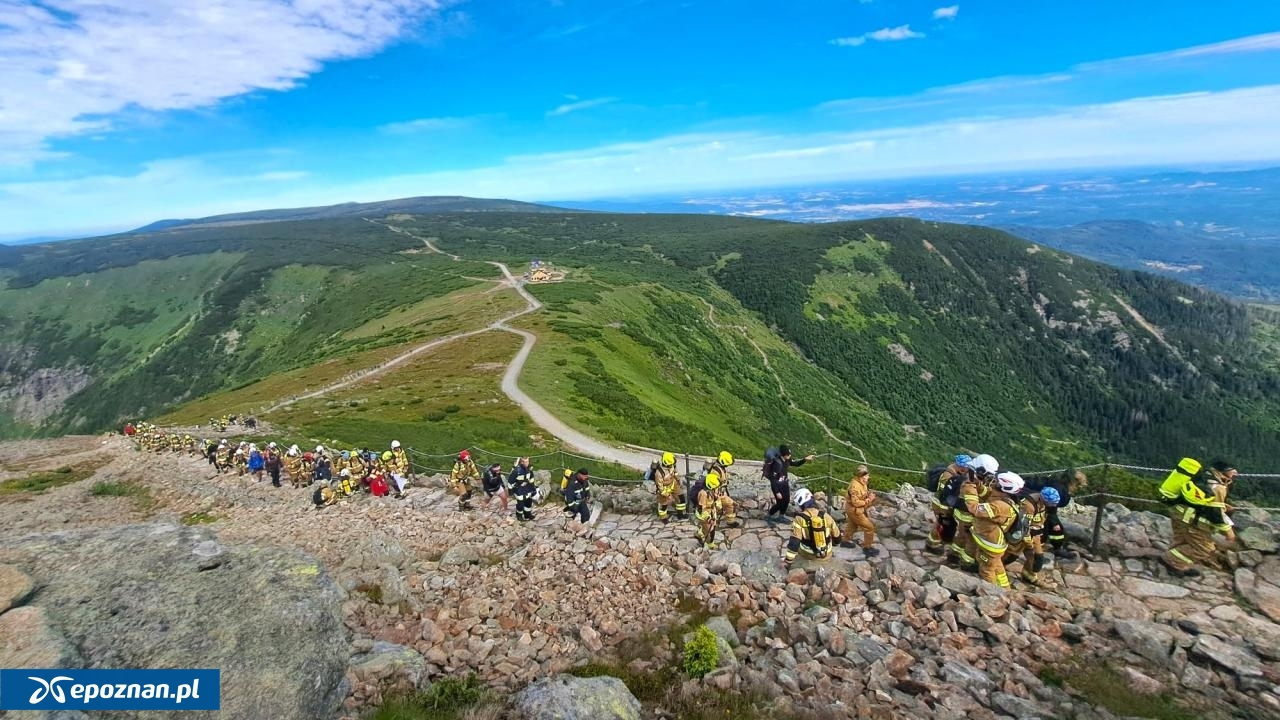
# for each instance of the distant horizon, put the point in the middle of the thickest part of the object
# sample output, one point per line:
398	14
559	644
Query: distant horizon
569	99
686	197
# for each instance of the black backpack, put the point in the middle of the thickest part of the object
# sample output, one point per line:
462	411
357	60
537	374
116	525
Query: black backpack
935	475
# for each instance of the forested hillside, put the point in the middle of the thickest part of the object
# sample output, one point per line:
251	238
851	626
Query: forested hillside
906	339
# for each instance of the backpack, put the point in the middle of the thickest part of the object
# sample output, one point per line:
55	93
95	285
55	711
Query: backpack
378	486
934	476
317	497
653	469
1020	528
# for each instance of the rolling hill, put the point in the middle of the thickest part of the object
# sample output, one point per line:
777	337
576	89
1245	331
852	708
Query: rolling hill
412	206
905	339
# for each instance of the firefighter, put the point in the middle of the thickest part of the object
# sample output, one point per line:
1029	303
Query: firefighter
858	501
666	481
222	461
346	484
523	489
463	475
1197	515
359	468
400	463
813	530
946	497
293	466
577	496
992	518
972	491
710	507
720	466
1035	507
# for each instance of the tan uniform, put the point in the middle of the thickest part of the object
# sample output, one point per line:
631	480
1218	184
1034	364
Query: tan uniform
670	494
814	531
711	507
460	479
972	493
858	500
400	462
730	512
1030	548
991	519
293	466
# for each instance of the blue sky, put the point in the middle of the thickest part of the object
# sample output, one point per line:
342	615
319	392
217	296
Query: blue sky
114	113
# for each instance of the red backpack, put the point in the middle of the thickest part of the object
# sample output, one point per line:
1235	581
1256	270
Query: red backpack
378	486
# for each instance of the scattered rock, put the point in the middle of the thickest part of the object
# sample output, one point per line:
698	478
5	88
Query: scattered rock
1150	640
1151	589
1260	538
957	582
723	629
15	586
393	667
28	641
460	555
564	697
1229	657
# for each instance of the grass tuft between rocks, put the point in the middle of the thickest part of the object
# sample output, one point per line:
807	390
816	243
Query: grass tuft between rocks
1099	684
450	698
140	494
39	482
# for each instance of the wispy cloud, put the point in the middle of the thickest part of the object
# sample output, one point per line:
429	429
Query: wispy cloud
68	67
946	13
1228	126
425	125
1266	42
577	105
902	32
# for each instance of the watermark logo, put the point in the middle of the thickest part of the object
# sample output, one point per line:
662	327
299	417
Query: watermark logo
48	687
110	689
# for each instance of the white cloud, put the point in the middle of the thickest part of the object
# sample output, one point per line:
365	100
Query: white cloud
902	32
1229	126
68	65
579	105
1266	42
425	125
946	13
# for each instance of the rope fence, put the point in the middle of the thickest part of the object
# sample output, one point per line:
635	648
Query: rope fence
1101	481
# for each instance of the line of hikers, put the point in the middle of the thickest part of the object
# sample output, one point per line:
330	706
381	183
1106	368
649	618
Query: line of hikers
983	517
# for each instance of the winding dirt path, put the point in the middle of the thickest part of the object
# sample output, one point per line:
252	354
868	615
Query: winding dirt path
572	439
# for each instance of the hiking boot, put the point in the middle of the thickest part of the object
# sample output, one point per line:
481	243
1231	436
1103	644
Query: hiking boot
665	519
682	516
969	567
733	524
934	549
848	544
870	552
1062	551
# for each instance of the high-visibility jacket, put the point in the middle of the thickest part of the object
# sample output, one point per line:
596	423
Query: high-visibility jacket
971	494
1191	502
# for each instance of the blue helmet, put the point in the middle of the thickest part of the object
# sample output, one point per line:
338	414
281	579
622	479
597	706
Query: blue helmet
963	460
346	454
1051	496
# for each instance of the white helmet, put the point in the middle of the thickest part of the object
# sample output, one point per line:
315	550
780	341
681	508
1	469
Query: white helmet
345	473
803	497
395	444
252	447
319	448
271	445
1010	483
293	451
985	465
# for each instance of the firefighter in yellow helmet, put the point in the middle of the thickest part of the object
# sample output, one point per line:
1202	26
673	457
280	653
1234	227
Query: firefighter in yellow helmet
720	466
666	481
710	508
992	519
1197	515
813	530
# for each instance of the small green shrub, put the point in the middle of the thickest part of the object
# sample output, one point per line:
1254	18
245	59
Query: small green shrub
449	698
435	416
701	655
199	518
451	409
106	488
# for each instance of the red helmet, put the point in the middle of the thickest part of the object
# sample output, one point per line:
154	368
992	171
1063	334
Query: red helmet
464	456
306	456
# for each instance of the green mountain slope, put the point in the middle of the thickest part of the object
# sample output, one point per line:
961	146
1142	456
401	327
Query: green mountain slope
905	339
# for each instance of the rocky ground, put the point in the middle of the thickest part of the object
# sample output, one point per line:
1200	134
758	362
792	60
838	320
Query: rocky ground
429	591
